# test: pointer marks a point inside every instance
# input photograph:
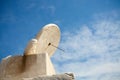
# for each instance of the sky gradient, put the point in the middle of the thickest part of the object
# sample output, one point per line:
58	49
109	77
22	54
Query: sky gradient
90	33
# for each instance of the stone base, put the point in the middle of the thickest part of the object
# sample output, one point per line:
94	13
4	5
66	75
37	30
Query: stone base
26	66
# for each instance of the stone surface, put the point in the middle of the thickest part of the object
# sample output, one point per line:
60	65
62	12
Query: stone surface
54	77
68	76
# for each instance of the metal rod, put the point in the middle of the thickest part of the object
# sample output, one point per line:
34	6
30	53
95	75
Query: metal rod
56	47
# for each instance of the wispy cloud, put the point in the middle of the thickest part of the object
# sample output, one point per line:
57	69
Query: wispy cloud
9	17
30	6
91	51
49	8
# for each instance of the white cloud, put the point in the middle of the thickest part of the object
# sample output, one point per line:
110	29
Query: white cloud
111	76
91	51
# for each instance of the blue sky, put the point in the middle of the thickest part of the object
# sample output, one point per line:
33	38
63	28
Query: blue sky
90	33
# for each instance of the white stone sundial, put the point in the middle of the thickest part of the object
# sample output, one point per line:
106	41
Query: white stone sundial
36	59
46	41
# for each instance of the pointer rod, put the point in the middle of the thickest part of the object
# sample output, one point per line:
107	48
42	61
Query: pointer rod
56	47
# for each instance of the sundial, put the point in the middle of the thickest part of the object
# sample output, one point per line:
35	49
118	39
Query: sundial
36	57
45	41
